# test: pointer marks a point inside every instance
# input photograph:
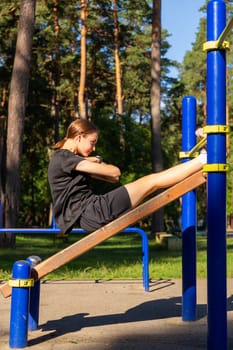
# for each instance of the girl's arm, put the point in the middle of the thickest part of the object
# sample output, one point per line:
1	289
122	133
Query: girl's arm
101	171
105	178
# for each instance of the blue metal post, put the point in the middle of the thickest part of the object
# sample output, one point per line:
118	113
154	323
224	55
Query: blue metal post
19	306
34	304
188	217
54	224
216	184
145	255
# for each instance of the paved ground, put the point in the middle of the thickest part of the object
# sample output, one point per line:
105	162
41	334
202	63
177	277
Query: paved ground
116	315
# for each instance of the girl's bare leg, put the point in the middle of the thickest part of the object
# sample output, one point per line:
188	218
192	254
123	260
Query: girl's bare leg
141	188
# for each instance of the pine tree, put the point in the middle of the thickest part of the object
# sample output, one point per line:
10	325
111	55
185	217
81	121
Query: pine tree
16	114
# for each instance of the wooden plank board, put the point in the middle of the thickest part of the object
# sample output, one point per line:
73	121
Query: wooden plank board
91	240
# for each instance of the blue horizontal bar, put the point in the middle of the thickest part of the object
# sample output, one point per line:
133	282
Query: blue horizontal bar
54	230
38	230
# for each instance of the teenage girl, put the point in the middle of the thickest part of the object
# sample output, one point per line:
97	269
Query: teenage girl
71	167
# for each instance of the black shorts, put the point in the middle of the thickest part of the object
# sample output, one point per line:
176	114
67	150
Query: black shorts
105	208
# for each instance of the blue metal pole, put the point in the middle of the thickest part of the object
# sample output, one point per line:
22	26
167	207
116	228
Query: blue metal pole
54	224
34	303
216	184
145	255
188	217
19	306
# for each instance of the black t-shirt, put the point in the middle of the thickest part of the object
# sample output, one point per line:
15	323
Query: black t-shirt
69	188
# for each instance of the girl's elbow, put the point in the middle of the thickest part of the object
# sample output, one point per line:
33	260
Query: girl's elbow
116	176
114	179
116	172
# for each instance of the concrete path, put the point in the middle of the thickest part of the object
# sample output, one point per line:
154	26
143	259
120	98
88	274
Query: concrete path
116	315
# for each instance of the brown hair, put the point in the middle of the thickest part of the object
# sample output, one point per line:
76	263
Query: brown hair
78	126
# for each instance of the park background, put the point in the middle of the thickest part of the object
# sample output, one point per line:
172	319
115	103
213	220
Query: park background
104	60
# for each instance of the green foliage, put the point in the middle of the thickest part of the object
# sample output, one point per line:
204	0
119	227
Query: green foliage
193	78
118	257
55	70
193	72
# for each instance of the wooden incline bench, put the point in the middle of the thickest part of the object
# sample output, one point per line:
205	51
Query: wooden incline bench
91	240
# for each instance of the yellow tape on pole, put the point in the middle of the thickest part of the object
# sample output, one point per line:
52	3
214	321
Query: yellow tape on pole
221	43
21	283
212	168
216	129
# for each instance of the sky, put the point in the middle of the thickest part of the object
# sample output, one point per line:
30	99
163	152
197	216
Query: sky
181	19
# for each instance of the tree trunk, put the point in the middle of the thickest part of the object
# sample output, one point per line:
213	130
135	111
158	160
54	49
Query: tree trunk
119	99
157	219
74	111
3	128
83	68
55	103
117	61
16	113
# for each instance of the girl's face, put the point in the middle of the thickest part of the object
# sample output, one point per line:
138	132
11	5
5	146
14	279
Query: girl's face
85	144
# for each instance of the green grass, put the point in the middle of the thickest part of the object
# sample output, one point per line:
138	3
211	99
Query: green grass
117	258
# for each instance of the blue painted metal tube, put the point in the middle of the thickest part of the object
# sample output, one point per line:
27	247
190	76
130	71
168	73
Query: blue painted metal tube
19	307
188	217
34	304
216	184
145	255
38	230
145	244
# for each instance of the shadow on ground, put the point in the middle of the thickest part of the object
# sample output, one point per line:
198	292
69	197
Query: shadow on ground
152	310
173	336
